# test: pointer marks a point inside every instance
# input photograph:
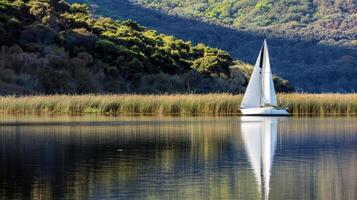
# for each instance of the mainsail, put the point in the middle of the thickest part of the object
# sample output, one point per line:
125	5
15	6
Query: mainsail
269	96
260	90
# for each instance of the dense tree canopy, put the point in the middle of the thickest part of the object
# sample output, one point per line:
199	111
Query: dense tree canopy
332	22
312	43
50	46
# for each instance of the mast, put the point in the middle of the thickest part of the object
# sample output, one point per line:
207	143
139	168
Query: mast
261	69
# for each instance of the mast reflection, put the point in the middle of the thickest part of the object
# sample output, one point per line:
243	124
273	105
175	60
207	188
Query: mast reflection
259	136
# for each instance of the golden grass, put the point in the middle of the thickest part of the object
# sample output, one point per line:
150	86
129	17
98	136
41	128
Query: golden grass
192	104
320	104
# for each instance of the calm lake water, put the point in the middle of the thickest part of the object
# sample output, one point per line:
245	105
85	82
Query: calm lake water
96	157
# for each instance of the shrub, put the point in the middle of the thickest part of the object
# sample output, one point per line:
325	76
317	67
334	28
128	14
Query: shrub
87	58
85	81
55	81
14	27
40	9
79	38
106	46
38	33
80	8
210	64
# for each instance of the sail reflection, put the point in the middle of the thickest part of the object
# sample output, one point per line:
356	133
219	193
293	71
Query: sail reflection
259	136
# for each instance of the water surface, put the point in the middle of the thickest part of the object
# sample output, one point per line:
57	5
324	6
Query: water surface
96	157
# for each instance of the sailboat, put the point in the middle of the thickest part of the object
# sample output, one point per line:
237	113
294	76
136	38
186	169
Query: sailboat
260	96
259	137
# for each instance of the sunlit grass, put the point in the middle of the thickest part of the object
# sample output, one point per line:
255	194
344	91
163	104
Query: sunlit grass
320	104
193	104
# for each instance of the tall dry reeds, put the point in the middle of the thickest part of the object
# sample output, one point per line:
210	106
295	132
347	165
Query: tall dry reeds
191	104
320	104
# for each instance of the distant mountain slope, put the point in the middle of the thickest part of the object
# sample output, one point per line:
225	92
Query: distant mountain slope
330	22
302	50
49	46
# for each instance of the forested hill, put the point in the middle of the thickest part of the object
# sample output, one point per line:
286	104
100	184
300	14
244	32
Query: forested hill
50	46
330	22
312	43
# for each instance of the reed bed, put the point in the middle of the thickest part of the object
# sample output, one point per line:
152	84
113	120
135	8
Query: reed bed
320	104
191	104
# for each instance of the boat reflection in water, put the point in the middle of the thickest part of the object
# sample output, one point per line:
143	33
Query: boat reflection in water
259	136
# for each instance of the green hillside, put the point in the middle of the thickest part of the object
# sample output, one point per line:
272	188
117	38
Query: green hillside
331	22
49	46
312	43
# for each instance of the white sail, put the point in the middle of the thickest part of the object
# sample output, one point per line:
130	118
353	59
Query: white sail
260	90
253	93
259	136
269	95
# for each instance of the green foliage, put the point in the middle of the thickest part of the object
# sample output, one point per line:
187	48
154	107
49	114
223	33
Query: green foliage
80	8
8	8
106	46
42	10
312	43
85	81
263	5
282	84
271	17
38	33
54	47
55	81
209	64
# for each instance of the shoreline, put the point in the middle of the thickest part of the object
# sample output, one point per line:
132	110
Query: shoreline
175	105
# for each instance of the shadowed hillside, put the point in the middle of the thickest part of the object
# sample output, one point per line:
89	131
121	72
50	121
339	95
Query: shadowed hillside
308	64
50	46
330	22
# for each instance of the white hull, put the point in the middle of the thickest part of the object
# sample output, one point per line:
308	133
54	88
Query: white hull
266	111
